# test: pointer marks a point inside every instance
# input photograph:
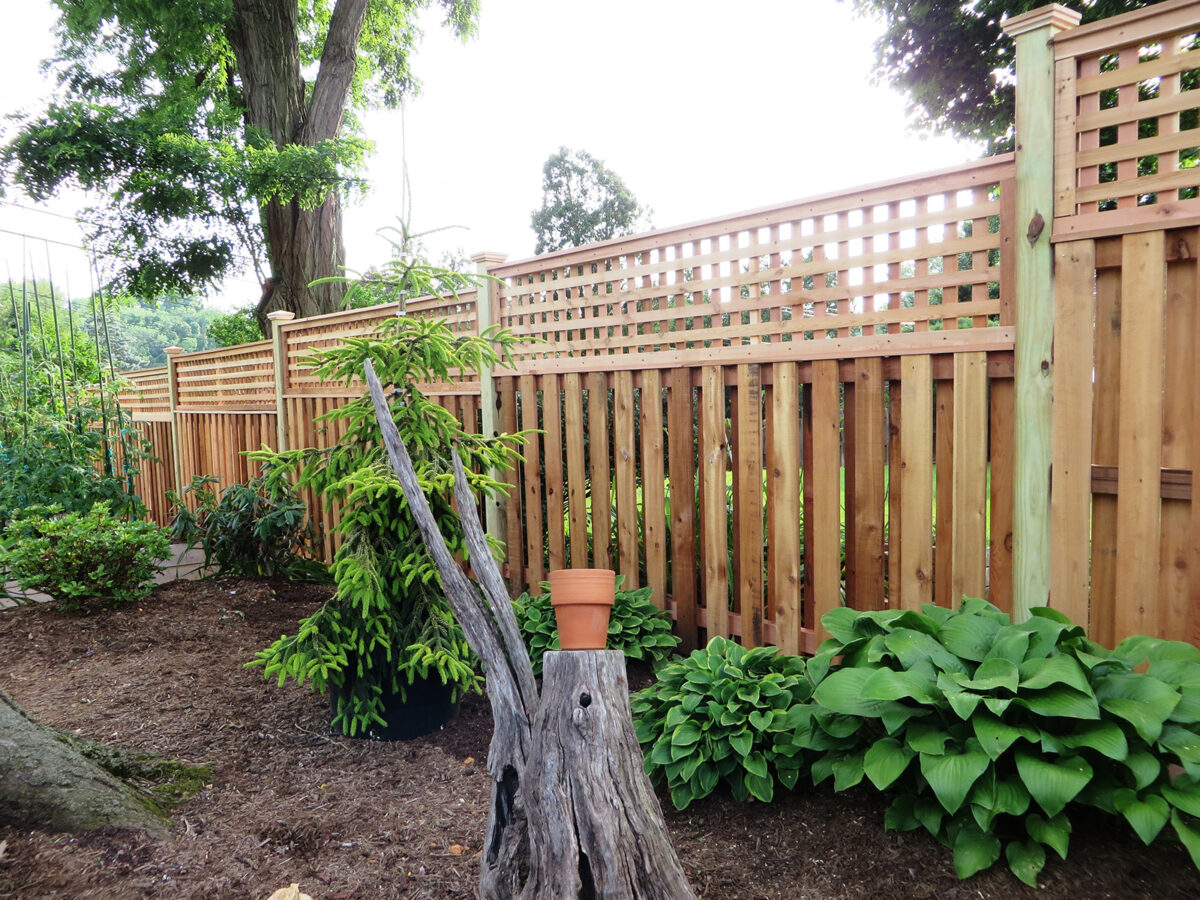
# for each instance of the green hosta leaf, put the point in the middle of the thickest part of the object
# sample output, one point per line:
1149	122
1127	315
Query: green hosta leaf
839	622
886	761
911	647
1188	710
1011	644
761	787
847	772
964	703
974	850
894	715
952	774
741	742
1144	766
1143	701
707	777
682	796
1054	832
1105	738
991	674
755	763
838	725
1141	647
899	816
1183	794
997	705
969	637
685	735
1060	700
930	814
1053	784
996	736
1042	673
886	684
1147	817
1185	744
928	739
1011	797
1189	836
842	692
1026	859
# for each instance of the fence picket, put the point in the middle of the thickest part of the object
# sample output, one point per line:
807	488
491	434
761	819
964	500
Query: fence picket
823	526
625	477
552	452
681	449
576	469
784	487
748	498
969	549
600	469
714	521
916	482
654	515
535	556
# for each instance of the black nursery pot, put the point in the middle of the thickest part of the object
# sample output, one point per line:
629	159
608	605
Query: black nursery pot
427	708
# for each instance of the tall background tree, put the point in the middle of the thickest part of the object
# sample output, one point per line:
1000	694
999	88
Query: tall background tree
220	134
954	63
583	201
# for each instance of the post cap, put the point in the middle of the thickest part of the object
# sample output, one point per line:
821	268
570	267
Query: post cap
281	315
492	257
1056	16
173	351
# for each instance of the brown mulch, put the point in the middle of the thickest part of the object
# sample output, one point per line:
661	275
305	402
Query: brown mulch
356	820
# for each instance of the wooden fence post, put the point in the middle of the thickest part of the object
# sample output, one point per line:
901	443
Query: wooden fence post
279	354
173	394
487	302
1034	370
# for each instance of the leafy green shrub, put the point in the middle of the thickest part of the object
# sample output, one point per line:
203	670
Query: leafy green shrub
636	627
988	730
48	458
81	558
257	528
724	714
389	622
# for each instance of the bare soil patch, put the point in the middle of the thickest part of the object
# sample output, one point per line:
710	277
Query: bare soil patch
355	820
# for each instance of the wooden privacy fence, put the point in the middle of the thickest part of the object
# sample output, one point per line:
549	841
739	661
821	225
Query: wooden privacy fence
973	382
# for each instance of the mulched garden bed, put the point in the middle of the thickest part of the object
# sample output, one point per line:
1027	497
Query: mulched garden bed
289	802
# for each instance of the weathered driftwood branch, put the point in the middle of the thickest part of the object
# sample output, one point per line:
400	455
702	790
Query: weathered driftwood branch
572	813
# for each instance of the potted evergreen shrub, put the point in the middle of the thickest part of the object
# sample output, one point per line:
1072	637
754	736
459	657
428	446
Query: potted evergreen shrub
386	645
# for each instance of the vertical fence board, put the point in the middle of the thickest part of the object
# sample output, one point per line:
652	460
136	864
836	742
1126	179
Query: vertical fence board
552	450
681	446
1178	433
943	546
870	446
514	550
916	482
654	515
824	524
625	469
1106	423
749	498
968	575
714	521
806	497
576	469
784	487
1140	441
1000	572
535	556
1071	498
599	467
895	417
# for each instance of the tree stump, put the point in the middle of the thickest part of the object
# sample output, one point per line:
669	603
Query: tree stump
573	816
596	828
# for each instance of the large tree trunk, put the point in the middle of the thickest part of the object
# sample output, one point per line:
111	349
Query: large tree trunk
304	245
46	783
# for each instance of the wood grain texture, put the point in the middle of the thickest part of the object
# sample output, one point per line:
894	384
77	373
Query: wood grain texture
916	483
714	521
576	468
681	449
654	502
784	486
824	521
968	575
748	498
625	478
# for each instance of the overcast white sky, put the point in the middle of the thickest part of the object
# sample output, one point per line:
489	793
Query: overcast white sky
704	107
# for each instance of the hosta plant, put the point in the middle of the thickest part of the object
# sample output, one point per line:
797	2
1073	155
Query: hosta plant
990	732
724	714
636	627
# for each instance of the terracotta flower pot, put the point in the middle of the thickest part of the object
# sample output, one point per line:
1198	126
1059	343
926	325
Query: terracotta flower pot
582	600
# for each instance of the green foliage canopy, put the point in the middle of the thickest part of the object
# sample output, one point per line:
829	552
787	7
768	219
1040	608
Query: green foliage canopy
192	119
583	201
953	62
